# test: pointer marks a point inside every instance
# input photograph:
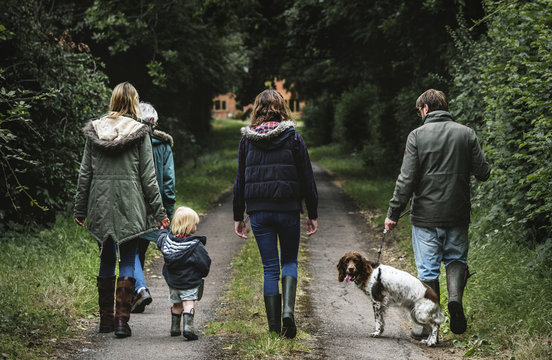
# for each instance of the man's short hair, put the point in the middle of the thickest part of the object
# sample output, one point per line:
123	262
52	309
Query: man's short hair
434	99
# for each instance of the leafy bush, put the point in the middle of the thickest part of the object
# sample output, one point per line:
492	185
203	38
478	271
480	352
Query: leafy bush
51	86
318	117
354	116
503	86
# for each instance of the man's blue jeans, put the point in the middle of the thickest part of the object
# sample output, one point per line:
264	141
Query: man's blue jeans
433	245
108	258
268	227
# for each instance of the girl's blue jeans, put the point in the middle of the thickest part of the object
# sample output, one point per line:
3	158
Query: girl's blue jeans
268	227
108	258
435	245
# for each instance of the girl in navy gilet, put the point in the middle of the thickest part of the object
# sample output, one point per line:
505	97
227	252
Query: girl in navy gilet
274	177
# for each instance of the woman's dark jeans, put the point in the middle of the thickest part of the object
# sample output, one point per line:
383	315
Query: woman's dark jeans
268	227
127	254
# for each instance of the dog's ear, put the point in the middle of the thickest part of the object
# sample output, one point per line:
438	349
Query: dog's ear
371	265
341	268
365	269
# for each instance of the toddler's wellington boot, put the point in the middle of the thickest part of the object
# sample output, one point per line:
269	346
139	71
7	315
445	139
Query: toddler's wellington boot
421	333
457	276
273	307
289	289
175	324
189	331
106	297
124	294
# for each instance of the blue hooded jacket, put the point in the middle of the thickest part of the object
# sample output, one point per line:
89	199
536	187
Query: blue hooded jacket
186	260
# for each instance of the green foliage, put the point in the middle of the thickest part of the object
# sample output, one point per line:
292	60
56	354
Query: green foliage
318	117
373	59
504	88
354	115
174	52
50	87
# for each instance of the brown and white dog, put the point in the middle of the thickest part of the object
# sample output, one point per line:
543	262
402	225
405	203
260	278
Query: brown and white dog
386	286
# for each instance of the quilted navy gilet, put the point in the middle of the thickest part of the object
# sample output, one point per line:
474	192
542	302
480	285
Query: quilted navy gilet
271	177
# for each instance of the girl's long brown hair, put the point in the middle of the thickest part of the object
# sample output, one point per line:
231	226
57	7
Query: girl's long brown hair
124	100
269	105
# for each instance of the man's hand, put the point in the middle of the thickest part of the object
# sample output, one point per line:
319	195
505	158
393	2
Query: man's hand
312	226
240	229
80	222
390	224
163	224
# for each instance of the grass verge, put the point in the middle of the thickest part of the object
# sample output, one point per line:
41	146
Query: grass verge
508	304
47	284
241	320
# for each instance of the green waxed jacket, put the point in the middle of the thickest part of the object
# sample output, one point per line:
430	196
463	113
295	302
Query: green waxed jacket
117	186
439	158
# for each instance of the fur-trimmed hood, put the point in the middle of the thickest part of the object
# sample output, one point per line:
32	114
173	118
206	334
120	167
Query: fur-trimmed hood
256	134
163	137
114	135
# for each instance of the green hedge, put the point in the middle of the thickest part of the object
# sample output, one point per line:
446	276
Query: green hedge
503	88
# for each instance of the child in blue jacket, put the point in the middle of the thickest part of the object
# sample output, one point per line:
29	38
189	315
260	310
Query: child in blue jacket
187	262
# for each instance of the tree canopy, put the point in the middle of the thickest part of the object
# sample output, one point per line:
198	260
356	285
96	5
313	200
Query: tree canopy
359	65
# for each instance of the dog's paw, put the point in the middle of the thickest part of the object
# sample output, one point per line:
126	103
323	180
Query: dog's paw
375	334
429	342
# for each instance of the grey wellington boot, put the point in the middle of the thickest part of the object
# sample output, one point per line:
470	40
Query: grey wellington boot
289	289
457	276
189	331
273	306
421	333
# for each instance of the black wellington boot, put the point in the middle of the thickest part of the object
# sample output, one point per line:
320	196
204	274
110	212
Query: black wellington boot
421	333
457	276
175	324
273	306
189	330
289	289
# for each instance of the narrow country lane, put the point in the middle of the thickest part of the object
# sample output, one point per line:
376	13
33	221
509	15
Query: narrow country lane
341	314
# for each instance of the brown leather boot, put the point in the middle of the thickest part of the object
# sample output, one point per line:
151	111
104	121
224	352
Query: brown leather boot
106	295
124	294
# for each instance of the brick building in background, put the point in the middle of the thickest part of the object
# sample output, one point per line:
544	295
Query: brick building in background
224	105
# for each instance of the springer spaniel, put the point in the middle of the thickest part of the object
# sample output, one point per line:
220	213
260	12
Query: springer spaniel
386	286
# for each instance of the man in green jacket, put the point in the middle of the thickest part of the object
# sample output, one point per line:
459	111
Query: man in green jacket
439	158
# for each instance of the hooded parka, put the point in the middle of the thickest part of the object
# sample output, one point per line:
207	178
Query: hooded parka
164	169
117	186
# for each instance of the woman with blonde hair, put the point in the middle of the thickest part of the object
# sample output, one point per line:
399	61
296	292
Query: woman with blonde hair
116	189
187	262
274	176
